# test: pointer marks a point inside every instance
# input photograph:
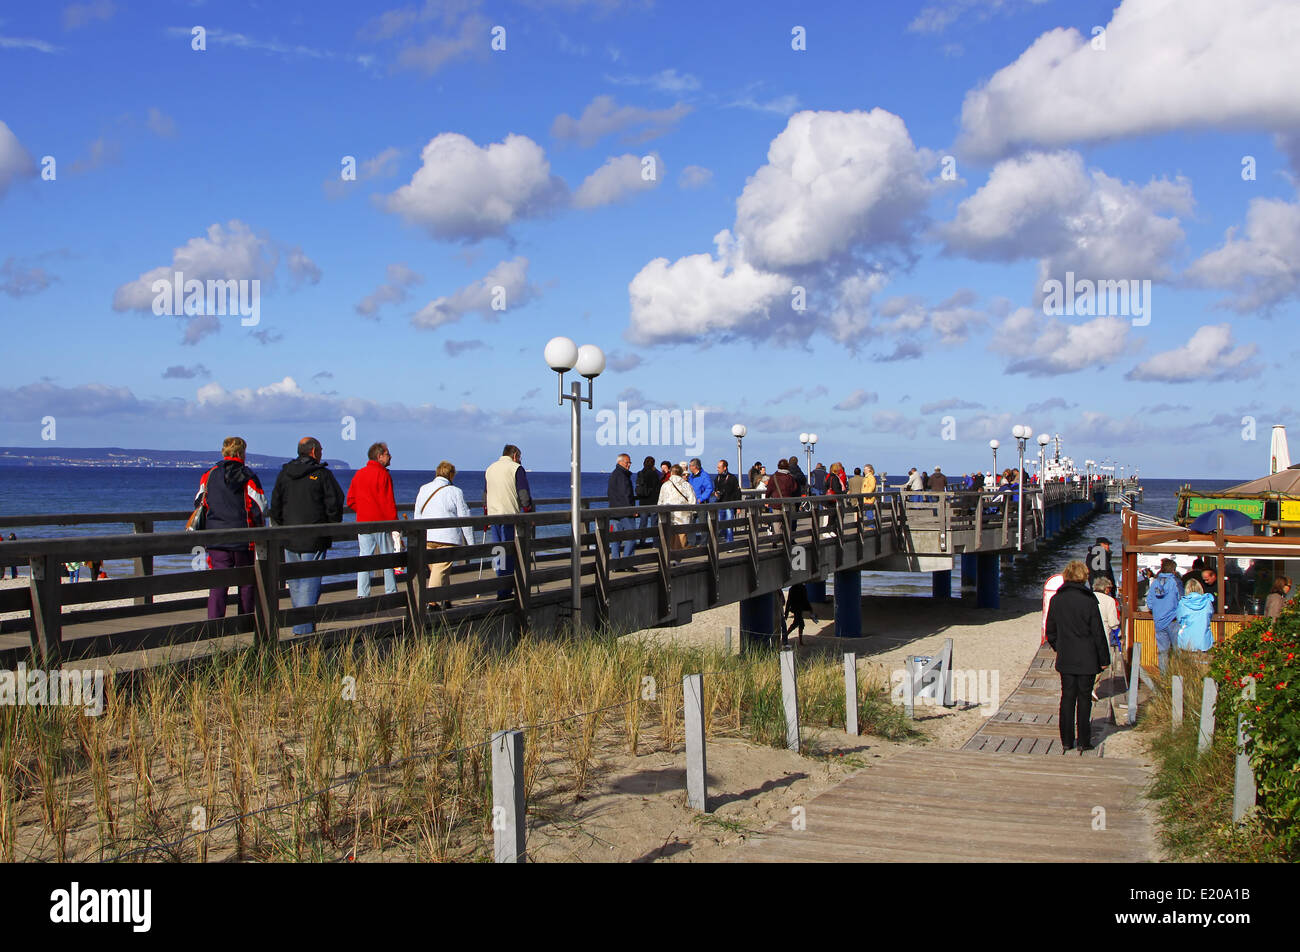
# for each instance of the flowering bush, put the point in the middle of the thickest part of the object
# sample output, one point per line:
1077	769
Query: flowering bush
1267	650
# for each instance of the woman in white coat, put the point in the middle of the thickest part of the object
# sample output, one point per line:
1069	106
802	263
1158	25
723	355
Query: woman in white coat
439	499
676	491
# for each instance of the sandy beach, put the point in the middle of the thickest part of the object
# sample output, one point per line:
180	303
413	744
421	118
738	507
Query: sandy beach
634	809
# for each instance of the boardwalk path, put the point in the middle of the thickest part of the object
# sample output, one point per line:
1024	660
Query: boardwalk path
1009	795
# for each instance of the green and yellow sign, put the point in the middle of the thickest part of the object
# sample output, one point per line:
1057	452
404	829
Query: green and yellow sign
1200	505
1290	510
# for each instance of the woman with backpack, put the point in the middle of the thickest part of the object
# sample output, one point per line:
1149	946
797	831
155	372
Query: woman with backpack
230	497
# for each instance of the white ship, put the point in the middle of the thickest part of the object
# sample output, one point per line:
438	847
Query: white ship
1058	468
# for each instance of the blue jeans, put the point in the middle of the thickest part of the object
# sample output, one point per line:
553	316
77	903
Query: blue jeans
304	591
1164	641
627	545
725	514
370	543
504	535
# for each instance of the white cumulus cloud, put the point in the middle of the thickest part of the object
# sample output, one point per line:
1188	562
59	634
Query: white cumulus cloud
703	295
1167	64
833	181
1262	268
506	284
618	178
464	192
1049	206
1045	346
1209	354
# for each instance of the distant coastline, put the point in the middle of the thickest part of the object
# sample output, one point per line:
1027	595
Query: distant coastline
117	457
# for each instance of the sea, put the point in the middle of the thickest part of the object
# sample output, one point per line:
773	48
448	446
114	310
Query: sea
69	489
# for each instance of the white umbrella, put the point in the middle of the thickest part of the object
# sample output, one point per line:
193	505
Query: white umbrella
1281	456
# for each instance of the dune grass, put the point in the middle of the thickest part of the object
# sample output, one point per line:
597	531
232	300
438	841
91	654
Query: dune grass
370	751
1193	790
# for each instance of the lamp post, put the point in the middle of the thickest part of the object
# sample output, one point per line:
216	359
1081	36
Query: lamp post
993	445
739	431
563	355
809	440
1043	440
1021	434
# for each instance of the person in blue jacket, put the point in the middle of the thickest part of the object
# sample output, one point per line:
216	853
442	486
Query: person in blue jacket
702	483
1194	611
1163	595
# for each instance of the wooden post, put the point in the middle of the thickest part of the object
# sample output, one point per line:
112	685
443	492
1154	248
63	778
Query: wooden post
790	699
417	578
1209	697
945	688
1243	780
144	563
509	831
909	686
1133	681
47	607
697	797
523	579
851	693
266	572
1176	701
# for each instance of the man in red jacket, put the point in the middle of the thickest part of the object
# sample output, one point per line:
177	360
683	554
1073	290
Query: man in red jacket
370	496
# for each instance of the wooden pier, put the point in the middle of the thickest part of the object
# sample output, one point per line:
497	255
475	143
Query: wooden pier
773	544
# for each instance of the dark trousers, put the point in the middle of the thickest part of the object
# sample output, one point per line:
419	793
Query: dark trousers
1076	709
504	536
229	559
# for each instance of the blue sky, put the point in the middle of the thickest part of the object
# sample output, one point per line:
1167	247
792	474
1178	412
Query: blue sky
657	179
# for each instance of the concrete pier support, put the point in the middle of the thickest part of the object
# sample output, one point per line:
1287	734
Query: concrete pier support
759	624
941	584
848	603
987	581
816	590
969	561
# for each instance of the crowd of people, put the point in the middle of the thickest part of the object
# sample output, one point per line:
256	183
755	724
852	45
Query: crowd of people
306	493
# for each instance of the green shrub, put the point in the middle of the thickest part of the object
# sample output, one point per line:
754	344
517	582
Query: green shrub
1267	651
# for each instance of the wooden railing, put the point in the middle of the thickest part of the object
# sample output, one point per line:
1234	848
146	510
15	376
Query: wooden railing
539	559
539	556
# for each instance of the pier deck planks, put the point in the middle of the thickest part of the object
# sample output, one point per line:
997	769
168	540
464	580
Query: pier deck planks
988	802
1031	713
971	806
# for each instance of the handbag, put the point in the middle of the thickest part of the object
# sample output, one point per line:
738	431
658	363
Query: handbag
198	520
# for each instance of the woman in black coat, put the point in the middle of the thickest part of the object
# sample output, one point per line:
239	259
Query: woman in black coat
1076	634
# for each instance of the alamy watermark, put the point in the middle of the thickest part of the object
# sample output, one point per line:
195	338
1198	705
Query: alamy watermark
684	428
64	687
217	297
972	687
1088	298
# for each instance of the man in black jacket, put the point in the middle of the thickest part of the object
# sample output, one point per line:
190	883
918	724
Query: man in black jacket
800	480
1099	562
726	488
1076	634
648	481
621	497
306	493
